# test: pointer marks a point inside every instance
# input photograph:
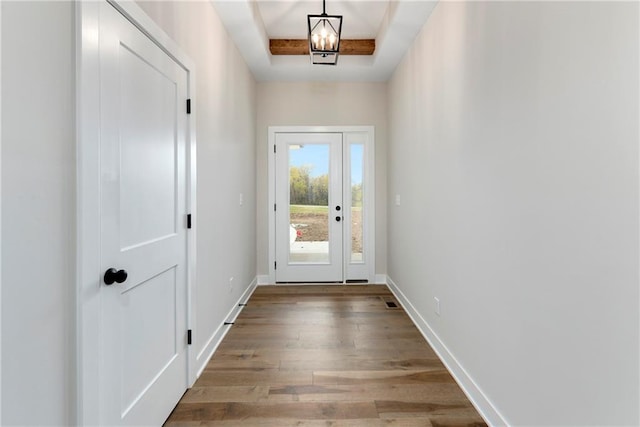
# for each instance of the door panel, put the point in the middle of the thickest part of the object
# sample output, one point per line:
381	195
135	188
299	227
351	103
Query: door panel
143	186
150	313
309	207
148	159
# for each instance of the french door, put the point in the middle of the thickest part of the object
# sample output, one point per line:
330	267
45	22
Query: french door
320	211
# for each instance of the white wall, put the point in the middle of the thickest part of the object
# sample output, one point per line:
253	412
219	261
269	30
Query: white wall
225	111
38	213
321	104
514	147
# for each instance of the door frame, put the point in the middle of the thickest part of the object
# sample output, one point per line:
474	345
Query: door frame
0	213
369	194
88	276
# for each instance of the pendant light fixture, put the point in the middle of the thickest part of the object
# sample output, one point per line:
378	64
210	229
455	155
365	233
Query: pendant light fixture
324	37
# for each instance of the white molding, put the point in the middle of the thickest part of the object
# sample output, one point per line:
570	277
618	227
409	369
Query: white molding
370	159
218	335
318	129
479	400
271	220
88	282
88	214
0	216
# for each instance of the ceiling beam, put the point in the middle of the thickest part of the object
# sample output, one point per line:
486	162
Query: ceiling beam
301	47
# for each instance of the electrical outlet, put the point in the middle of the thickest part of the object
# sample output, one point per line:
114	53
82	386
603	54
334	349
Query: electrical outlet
397	200
230	284
437	300
241	201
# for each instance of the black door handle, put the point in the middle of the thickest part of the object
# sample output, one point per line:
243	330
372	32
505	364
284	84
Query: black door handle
338	208
338	218
112	276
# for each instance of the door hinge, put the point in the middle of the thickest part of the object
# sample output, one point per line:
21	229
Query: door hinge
188	220
275	265
274	148
188	106
189	337
274	207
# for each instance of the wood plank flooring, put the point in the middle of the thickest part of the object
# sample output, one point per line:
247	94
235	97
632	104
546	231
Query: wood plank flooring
324	356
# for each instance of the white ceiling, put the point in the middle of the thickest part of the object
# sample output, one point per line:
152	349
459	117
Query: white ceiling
393	23
288	19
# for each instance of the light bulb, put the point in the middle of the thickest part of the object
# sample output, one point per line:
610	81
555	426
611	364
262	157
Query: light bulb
332	41
324	33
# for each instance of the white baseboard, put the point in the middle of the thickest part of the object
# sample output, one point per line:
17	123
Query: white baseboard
479	400
264	280
218	335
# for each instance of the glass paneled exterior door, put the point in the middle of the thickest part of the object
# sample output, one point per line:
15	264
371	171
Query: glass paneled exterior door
309	207
323	210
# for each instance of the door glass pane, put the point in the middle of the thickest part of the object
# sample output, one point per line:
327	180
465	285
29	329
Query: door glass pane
357	162
309	203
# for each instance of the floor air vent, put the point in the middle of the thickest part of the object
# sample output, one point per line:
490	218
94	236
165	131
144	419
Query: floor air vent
390	303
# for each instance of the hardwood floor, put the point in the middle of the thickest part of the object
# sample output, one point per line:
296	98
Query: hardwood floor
324	356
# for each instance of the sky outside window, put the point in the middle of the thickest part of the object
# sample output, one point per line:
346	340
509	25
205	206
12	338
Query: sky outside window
316	157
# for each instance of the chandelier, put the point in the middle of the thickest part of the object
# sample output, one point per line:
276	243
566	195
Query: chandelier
324	37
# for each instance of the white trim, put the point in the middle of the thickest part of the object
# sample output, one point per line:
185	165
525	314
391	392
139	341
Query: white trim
477	397
370	180
88	282
87	211
0	216
191	200
218	335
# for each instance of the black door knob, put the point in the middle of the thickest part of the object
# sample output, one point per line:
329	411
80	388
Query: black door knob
112	276
338	208
338	218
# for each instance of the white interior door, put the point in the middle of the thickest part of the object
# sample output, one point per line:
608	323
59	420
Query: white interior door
309	207
143	184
